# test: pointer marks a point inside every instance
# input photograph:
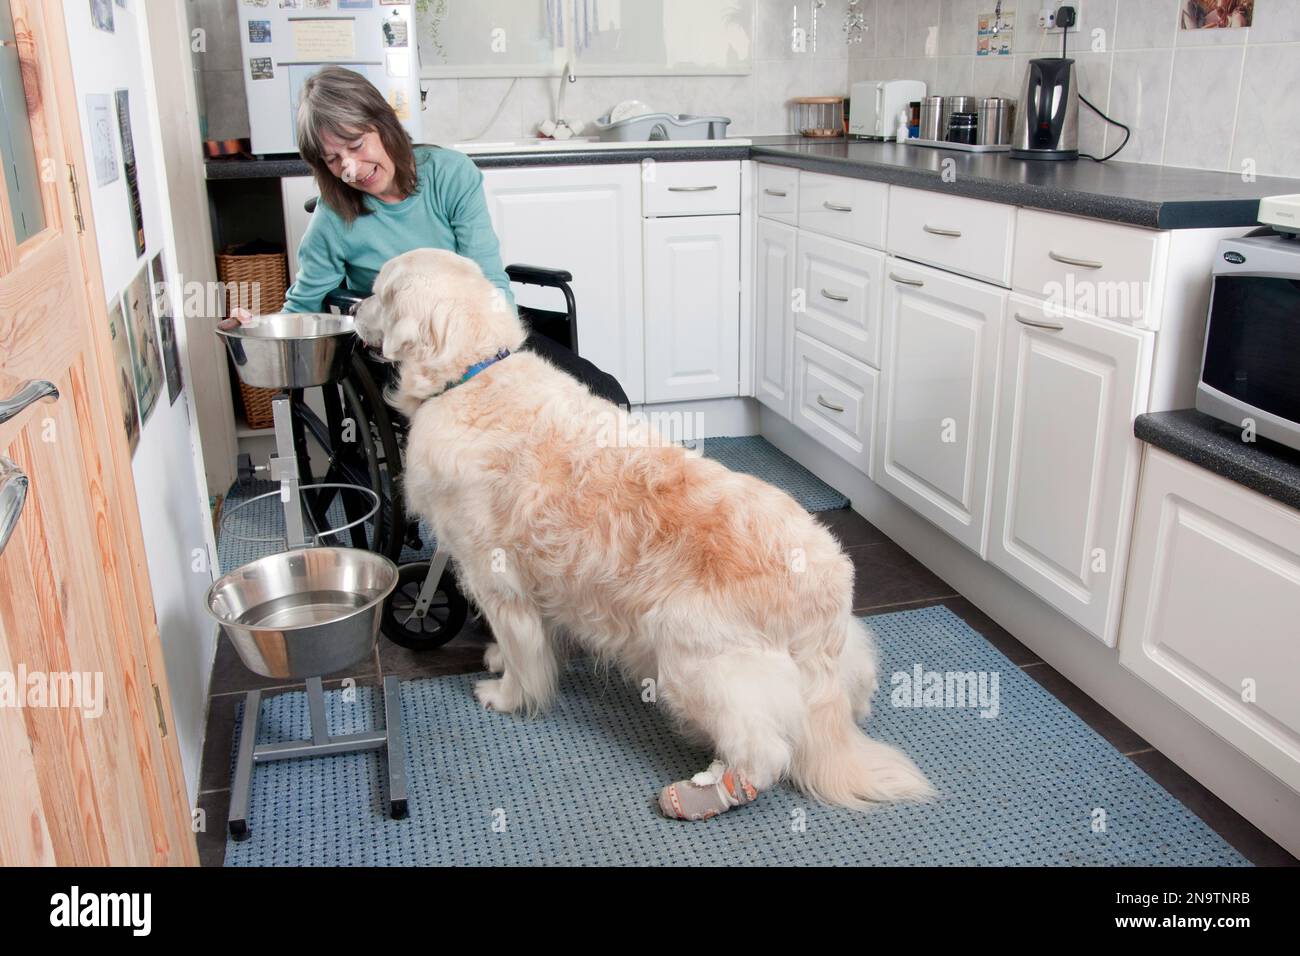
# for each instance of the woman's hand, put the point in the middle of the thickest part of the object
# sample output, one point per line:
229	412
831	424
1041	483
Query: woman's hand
236	318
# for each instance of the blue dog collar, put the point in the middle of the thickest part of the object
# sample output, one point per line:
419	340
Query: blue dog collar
475	369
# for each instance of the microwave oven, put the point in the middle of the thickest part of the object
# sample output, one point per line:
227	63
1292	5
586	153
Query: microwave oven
1250	366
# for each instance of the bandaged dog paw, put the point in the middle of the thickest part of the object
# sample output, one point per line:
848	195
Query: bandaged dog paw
493	659
706	794
493	695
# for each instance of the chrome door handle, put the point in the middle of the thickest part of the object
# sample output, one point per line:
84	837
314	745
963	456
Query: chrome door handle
835	298
31	391
897	278
825	404
837	207
1038	324
780	193
936	231
13	495
690	189
1070	261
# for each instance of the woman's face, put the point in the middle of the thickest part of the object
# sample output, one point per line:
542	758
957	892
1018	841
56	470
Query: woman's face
361	162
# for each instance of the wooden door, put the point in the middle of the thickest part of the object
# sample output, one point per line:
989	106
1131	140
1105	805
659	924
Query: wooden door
89	773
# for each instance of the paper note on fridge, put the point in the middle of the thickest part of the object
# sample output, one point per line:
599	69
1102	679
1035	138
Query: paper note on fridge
319	39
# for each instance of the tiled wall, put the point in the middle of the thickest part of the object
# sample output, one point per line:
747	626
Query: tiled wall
459	109
1212	99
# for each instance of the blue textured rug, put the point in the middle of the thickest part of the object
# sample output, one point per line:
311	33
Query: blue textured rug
751	454
1032	785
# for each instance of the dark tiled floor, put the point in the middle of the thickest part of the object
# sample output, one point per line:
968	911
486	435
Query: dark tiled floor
888	579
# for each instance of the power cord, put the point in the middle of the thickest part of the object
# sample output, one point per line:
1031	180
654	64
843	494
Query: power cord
1088	103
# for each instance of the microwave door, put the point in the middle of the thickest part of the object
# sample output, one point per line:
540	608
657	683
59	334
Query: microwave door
1252	344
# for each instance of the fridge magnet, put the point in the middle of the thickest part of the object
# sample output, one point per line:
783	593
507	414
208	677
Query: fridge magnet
356	4
146	360
395	32
259	68
400	101
122	359
101	138
290	4
257	3
397	64
259	31
320	4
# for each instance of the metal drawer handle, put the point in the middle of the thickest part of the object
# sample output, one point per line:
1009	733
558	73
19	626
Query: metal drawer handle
13	495
835	298
936	231
775	192
897	278
1071	261
690	189
825	404
32	390
837	207
1038	324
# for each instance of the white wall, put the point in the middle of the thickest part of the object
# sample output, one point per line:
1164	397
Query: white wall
166	465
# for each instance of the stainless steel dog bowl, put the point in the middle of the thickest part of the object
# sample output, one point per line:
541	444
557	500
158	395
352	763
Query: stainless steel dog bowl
303	613
292	349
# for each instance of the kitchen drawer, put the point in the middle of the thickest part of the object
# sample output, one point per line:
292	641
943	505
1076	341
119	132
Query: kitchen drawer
691	189
840	285
967	236
852	209
835	400
1097	268
778	193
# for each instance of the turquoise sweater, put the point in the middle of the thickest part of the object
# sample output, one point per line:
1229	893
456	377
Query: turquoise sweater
448	211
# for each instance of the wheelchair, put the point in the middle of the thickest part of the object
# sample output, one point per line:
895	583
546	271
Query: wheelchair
362	440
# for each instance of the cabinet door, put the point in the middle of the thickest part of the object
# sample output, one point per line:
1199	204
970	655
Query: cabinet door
585	219
841	295
835	400
1211	606
294	193
939	371
692	307
1067	463
774	271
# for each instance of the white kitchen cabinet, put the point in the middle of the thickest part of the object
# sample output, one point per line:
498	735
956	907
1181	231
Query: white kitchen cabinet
586	219
852	209
1066	462
839	287
774	276
835	400
969	236
692	307
1211	608
938	380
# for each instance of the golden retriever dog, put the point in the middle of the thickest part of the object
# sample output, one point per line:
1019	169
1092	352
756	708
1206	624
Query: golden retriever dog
569	520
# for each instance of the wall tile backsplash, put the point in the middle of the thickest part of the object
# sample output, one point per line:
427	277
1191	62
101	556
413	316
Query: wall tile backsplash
1214	99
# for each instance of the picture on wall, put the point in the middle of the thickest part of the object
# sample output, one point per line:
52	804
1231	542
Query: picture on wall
128	164
122	359
146	360
162	312
100	119
101	15
1216	14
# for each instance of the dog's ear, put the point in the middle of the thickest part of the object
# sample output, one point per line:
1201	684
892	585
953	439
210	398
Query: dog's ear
419	317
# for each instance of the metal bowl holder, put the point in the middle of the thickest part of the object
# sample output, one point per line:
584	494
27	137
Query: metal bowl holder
283	467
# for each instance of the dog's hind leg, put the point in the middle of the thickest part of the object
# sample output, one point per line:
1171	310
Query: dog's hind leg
748	704
528	663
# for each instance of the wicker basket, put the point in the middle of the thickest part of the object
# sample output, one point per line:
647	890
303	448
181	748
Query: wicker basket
256	282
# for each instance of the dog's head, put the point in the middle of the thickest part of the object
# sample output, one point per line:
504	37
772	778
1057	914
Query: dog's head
433	307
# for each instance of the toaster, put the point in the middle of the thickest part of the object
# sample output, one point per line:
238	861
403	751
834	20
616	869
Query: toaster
874	106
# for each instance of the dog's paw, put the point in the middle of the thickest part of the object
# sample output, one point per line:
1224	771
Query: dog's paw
493	696
493	659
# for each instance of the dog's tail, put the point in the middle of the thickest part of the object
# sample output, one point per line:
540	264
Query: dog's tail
836	762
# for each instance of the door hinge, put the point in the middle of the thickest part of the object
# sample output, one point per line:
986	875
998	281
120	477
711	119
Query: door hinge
157	702
76	198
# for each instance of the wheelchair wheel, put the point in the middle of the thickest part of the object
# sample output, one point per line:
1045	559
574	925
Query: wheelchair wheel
441	622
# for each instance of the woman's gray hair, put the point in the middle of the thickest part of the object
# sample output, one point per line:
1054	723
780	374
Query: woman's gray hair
344	104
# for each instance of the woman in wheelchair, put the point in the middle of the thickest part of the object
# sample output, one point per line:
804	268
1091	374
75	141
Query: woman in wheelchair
381	196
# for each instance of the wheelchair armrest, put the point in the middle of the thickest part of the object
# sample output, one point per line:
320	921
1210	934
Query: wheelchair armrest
538	275
310	204
343	299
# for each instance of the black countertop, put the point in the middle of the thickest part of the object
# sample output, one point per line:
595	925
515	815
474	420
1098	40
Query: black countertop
1262	465
1158	197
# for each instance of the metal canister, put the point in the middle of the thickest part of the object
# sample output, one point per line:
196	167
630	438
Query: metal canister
954	104
995	113
931	115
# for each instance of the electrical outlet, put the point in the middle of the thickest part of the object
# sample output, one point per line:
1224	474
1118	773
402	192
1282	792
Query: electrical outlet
1046	18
